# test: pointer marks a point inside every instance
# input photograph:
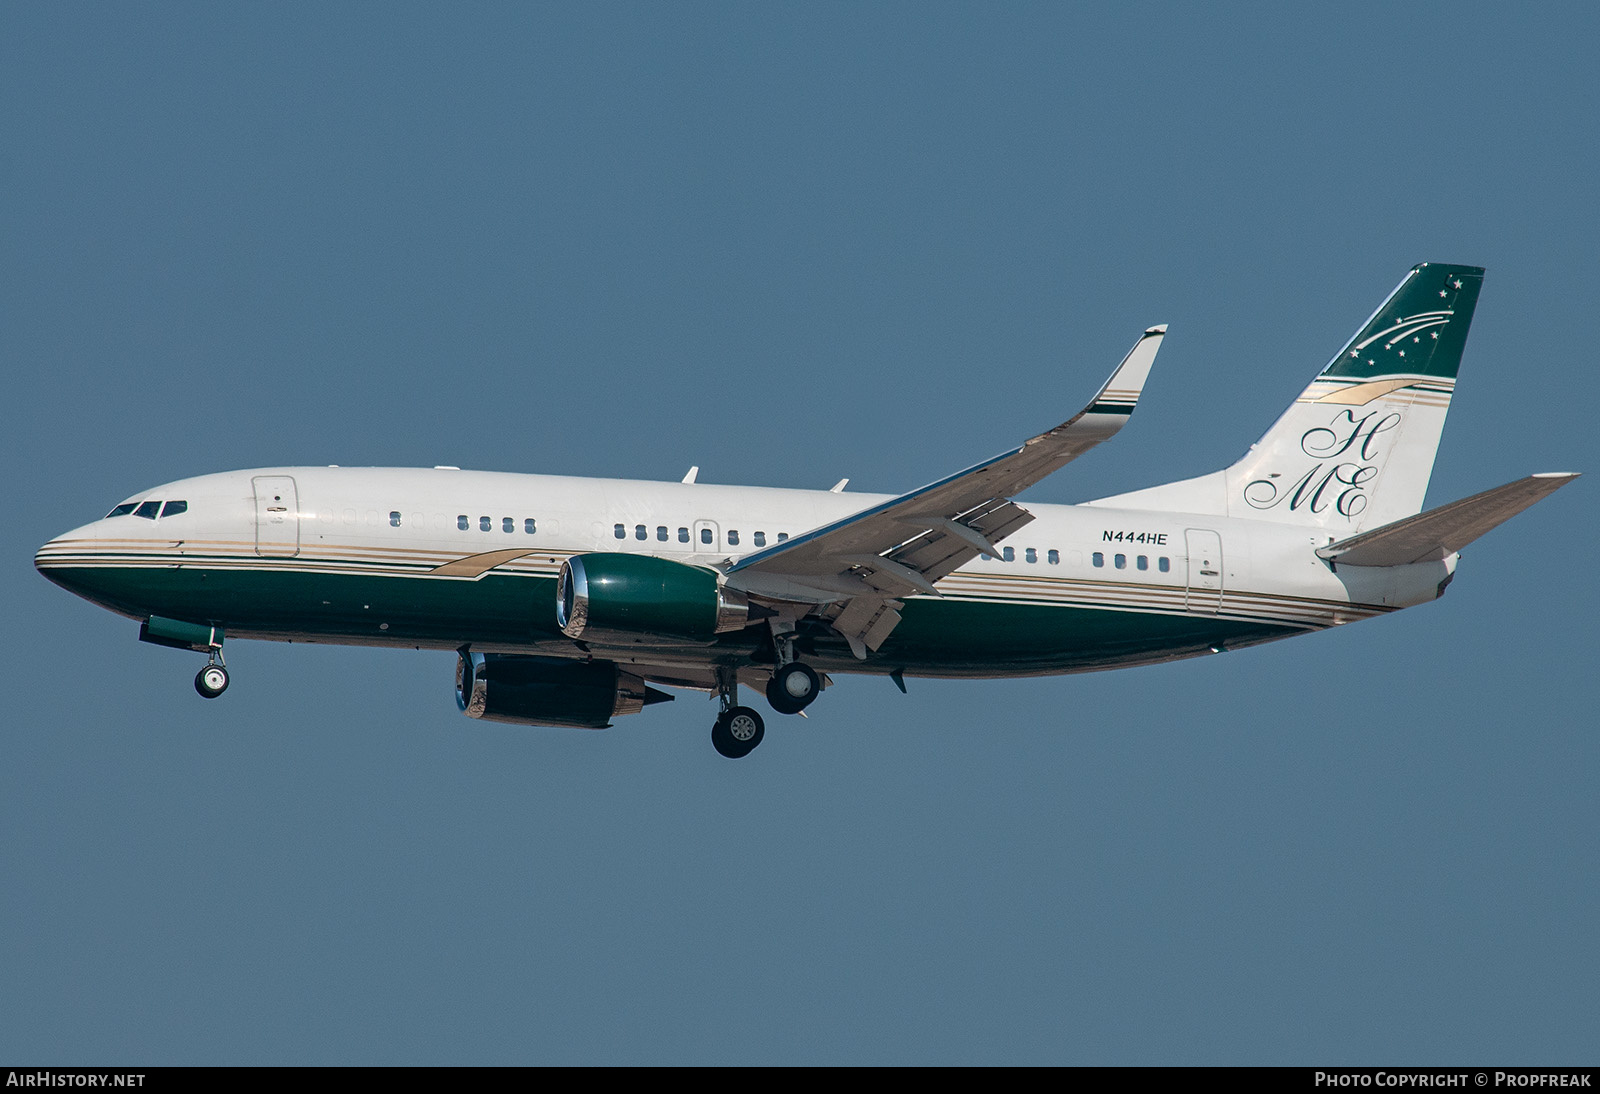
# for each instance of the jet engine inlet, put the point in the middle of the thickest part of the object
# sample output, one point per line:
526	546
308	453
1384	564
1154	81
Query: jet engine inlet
637	598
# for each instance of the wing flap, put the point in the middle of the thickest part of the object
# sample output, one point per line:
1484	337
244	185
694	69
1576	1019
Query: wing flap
946	544
866	622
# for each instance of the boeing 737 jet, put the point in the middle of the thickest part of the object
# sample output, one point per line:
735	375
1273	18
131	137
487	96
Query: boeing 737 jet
571	601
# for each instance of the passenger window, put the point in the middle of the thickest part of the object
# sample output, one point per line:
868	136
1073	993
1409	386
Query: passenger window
507	524
1030	555
122	510
683	535
530	526
760	539
661	533
461	522
705	535
173	508
394	518
1009	554
733	537
1121	561
1098	559
985	557
1054	557
148	510
640	532
1163	564
782	536
620	531
484	524
1143	562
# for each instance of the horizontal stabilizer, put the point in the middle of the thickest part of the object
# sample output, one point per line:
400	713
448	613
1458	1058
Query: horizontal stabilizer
1440	533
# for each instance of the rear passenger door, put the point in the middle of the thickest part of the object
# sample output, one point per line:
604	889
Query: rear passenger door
1205	570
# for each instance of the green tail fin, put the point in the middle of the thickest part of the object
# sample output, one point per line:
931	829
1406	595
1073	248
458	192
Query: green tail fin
1419	331
1356	449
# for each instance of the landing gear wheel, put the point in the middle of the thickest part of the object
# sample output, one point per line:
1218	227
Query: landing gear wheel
212	681
737	732
792	688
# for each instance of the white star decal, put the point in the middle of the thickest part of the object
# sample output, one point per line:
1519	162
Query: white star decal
1436	334
1443	293
1402	353
1456	282
1355	353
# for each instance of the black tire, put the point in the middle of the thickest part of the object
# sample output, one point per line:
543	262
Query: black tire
211	681
781	688
723	741
737	733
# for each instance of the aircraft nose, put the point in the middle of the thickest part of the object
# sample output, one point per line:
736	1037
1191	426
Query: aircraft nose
65	556
51	554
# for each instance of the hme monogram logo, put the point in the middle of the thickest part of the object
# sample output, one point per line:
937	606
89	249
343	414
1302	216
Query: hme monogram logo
1347	451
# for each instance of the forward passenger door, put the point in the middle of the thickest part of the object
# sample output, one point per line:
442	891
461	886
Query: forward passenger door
277	516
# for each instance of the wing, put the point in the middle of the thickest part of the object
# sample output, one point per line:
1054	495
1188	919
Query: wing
858	565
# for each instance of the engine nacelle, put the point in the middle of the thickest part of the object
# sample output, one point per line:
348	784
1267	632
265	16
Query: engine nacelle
547	691
634	599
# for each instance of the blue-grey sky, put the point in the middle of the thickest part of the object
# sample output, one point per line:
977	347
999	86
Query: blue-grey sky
790	244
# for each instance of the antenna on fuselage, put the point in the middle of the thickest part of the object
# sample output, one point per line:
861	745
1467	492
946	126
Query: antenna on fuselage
693	471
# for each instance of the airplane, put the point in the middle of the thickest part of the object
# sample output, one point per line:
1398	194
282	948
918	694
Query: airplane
568	599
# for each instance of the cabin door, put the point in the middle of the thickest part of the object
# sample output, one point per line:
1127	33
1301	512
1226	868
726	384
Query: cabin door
277	516
1205	570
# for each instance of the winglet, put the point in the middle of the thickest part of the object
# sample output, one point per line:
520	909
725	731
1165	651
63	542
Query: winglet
1121	391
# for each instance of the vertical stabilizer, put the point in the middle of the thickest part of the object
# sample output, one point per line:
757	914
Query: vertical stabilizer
1356	449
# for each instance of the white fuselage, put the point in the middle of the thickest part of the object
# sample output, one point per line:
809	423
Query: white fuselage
442	529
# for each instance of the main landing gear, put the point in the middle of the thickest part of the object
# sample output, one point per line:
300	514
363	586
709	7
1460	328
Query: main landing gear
737	730
212	680
794	685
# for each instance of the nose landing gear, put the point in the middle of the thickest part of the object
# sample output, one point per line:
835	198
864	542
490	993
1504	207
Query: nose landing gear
204	638
212	680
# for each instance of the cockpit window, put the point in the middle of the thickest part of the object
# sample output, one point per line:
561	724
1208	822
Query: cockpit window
148	510
122	510
173	508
